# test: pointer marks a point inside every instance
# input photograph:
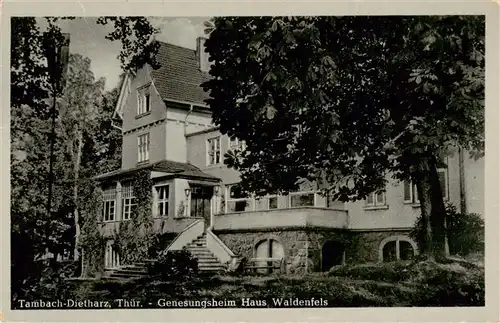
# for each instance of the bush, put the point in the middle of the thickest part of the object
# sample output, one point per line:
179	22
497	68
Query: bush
449	285
44	281
421	283
177	265
386	272
160	243
465	231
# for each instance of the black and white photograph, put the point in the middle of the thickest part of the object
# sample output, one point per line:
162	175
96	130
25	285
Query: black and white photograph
247	162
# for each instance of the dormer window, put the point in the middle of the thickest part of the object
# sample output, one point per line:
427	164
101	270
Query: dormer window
143	100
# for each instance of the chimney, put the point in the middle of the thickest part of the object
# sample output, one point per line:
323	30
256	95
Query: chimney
201	55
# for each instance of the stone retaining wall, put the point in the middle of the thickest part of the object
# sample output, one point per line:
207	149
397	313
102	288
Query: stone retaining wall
306	244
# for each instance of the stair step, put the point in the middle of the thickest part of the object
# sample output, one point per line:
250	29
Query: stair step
213	263
201	249
203	255
210	268
208	257
131	272
213	269
124	275
133	267
204	243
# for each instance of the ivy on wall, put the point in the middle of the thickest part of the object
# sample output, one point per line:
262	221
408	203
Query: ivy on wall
92	240
135	237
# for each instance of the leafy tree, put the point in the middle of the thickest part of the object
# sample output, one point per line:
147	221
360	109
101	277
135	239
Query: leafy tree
79	114
346	101
83	106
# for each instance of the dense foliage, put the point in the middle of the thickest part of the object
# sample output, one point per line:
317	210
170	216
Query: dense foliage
174	265
135	237
374	285
160	243
465	232
426	283
84	144
345	101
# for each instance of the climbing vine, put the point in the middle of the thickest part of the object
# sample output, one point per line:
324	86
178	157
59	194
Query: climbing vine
134	237
92	240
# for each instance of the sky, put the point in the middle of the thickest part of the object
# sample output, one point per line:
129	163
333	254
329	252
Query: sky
87	39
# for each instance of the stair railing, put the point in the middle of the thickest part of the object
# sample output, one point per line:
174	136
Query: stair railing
219	248
190	233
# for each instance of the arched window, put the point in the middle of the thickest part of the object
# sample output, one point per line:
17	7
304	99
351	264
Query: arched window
266	249
332	254
397	248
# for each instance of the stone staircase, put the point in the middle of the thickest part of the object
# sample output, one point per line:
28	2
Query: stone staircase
135	271
207	262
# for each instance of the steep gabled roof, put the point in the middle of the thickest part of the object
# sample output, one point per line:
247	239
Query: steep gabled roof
179	78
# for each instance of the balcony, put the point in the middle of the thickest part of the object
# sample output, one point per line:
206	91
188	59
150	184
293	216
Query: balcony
300	217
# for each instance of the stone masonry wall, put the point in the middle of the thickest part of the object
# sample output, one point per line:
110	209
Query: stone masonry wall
299	245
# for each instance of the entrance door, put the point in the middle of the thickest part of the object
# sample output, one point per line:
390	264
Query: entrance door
265	249
332	255
200	202
111	256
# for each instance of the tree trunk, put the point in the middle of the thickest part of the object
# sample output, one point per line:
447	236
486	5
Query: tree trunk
76	173
435	246
463	198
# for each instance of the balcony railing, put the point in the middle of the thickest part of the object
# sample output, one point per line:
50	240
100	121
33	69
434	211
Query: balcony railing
299	217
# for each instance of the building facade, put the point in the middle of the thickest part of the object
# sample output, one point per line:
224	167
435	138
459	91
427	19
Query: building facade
167	131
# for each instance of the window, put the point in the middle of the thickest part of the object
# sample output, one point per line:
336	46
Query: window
143	100
162	195
443	180
214	151
301	199
261	203
236	144
237	199
410	192
109	197
266	203
397	248
143	147
410	189
129	201
273	202
266	250
375	199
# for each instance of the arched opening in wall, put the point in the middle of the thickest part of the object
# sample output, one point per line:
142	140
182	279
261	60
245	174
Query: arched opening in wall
397	248
268	250
332	254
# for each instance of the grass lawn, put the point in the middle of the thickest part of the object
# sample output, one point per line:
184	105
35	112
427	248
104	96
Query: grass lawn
394	284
